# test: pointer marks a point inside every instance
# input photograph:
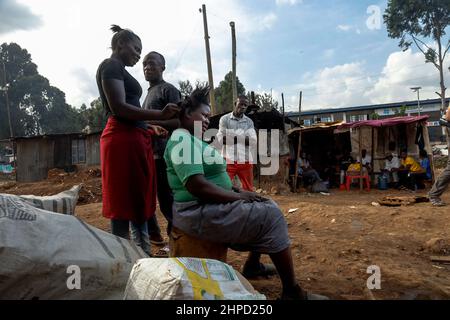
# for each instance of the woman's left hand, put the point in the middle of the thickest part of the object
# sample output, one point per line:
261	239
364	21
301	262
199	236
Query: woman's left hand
251	196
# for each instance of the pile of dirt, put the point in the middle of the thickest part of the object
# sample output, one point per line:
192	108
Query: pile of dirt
58	181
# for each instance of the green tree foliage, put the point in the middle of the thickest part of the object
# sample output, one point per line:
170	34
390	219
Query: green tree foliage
415	21
374	116
264	100
224	93
36	107
400	112
94	118
185	88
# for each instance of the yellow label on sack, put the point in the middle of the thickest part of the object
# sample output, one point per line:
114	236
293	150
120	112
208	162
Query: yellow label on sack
203	286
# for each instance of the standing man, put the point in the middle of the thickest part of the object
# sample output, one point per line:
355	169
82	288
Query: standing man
443	181
159	94
238	138
238	135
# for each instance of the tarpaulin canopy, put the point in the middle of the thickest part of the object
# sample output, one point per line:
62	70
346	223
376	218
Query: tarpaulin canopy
389	122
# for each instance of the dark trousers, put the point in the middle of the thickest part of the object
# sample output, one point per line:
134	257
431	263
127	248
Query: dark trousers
165	199
412	180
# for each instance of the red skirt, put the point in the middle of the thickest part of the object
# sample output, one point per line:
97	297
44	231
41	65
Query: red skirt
128	172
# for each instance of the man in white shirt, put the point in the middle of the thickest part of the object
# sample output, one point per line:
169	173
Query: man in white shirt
391	166
238	135
239	145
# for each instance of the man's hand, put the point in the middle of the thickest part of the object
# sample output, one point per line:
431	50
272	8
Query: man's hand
170	111
159	131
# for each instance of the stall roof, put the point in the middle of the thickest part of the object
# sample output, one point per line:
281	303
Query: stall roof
317	126
389	122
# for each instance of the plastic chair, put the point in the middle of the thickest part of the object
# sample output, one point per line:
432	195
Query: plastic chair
349	180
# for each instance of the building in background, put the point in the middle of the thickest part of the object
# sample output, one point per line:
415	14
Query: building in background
379	111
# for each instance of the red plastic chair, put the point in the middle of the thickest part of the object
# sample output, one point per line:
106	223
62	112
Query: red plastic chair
349	180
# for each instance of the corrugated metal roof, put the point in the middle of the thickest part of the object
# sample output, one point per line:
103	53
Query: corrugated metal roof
367	107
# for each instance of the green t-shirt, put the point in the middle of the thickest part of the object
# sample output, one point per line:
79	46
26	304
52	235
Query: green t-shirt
185	156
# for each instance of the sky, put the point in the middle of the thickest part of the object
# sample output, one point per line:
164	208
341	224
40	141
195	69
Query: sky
337	52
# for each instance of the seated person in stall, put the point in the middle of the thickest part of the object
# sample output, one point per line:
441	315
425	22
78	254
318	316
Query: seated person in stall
208	207
305	170
354	169
344	164
391	166
411	174
425	164
330	169
366	162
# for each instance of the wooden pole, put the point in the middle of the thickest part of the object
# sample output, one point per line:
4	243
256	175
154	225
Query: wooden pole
360	159
208	61
299	141
233	46
282	105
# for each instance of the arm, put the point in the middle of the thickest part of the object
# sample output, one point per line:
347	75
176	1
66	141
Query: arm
171	95
221	134
206	191
251	137
115	95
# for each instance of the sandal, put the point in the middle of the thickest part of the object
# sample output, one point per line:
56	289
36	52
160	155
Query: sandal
162	253
264	270
436	202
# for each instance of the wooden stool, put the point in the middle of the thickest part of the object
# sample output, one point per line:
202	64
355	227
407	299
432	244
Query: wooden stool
349	180
184	245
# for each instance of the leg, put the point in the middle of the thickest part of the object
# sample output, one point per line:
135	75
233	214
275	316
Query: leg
245	174
441	183
165	195
120	228
139	235
232	170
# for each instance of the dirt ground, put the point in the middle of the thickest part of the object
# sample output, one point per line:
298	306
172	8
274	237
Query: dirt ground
335	238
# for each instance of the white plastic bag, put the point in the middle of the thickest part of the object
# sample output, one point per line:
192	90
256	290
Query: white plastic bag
187	279
45	255
63	202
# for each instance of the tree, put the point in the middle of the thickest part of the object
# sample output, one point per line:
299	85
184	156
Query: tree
413	21
224	93
400	112
265	101
94	118
185	88
36	106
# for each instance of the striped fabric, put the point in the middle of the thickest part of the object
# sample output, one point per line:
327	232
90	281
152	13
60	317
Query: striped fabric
63	202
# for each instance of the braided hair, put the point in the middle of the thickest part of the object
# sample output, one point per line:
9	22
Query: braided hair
121	34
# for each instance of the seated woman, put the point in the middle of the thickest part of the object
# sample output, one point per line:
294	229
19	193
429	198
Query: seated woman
208	208
425	164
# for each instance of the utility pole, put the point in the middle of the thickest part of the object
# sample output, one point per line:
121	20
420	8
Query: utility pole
5	90
417	89
299	141
208	60
233	46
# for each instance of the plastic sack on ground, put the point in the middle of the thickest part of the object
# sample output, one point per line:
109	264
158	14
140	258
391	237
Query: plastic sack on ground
187	279
45	255
63	202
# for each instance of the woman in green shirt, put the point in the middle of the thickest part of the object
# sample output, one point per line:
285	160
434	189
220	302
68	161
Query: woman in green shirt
208	207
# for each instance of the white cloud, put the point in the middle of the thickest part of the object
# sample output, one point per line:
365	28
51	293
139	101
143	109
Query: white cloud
351	84
75	38
288	2
344	27
402	71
